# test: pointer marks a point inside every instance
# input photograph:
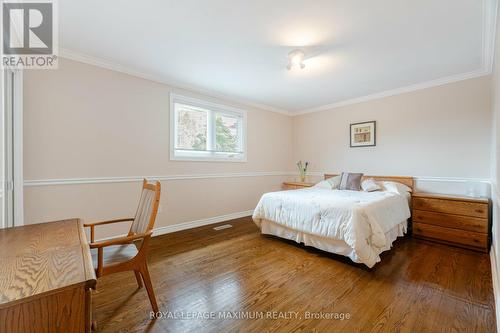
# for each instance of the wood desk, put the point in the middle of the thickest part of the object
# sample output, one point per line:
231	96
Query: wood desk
46	275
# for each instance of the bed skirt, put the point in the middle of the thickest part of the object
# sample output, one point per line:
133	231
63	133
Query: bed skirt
331	245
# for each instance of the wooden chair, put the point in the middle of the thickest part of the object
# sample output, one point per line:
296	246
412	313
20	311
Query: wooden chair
129	253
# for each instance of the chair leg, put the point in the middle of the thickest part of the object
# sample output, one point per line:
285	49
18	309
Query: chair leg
149	286
138	278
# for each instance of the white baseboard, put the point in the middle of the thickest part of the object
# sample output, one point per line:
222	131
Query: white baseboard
191	224
496	284
199	223
495	277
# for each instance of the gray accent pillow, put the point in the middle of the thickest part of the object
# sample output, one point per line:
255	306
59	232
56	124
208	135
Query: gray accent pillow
350	181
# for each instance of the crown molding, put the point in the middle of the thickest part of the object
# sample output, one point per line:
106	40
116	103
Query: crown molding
489	17
397	91
486	70
117	67
490	8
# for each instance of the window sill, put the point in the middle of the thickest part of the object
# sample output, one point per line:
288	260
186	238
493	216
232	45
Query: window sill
190	158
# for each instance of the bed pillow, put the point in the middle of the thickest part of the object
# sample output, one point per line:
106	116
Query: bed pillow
350	181
324	184
330	183
396	187
369	185
335	181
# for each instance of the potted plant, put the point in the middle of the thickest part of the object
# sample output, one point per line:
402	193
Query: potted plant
302	170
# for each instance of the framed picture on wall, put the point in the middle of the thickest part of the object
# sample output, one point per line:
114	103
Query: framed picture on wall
363	134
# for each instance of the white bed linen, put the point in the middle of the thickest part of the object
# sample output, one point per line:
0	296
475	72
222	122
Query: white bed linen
328	244
360	219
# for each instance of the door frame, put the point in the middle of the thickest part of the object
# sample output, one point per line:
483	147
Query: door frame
18	149
12	107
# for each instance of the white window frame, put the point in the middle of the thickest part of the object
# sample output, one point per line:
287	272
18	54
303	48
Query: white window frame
179	155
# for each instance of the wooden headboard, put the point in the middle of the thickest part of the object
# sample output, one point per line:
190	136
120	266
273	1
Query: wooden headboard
408	181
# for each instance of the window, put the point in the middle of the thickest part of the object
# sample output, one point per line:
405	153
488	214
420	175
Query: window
206	131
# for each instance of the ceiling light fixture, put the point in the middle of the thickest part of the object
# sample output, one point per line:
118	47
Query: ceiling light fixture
296	59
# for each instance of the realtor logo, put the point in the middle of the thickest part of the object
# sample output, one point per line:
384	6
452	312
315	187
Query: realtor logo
29	34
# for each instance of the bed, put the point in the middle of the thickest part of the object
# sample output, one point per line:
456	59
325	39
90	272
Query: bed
356	224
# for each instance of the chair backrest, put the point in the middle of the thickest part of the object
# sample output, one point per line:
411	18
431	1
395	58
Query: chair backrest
148	208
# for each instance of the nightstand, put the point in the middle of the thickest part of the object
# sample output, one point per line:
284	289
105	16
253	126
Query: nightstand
454	220
295	185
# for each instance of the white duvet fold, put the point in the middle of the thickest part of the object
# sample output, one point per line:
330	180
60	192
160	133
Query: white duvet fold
359	218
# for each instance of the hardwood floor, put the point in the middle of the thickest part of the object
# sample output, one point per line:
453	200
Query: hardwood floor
418	287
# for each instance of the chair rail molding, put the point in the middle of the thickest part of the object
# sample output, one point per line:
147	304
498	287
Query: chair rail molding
130	179
417	178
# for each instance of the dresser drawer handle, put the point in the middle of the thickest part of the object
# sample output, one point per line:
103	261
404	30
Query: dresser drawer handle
479	211
475	241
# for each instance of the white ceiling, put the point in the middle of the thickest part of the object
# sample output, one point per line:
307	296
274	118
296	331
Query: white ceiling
239	48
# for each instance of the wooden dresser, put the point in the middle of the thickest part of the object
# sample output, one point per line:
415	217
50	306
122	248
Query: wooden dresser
46	275
295	185
459	221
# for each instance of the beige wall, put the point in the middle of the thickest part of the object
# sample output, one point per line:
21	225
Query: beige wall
81	121
442	131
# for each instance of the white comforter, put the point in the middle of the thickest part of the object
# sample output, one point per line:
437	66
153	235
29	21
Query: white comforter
359	218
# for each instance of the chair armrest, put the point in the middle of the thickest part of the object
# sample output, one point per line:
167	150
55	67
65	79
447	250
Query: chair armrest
108	222
93	224
119	240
